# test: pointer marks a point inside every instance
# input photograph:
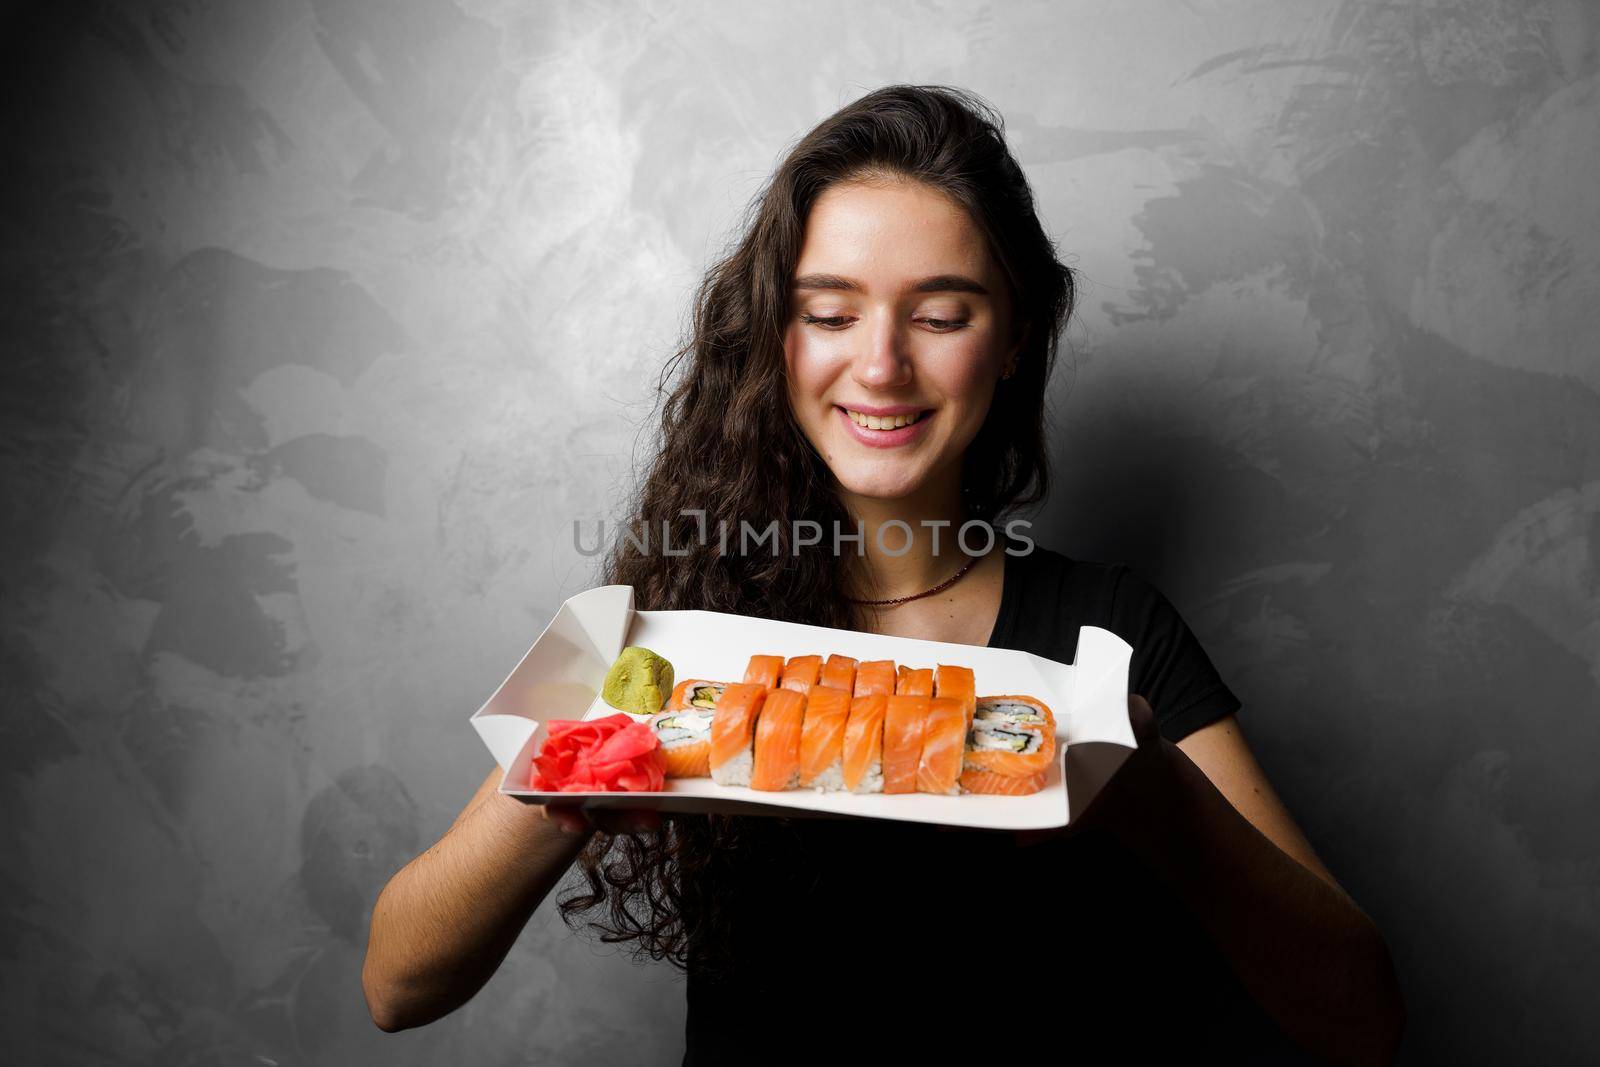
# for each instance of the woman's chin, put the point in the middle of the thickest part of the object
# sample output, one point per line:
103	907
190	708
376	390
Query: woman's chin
880	485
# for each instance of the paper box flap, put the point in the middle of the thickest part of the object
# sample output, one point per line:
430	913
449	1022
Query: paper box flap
559	676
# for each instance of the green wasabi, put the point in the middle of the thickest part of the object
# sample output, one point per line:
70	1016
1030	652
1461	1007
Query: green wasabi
639	682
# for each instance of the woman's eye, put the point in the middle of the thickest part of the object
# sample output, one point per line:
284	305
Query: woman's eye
839	322
830	322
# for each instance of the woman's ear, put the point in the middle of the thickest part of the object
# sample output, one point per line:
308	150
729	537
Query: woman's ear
1018	339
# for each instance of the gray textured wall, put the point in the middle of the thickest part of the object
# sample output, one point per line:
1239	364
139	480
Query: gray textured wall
323	320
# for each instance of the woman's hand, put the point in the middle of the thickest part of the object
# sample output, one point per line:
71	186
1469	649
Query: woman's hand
446	919
1123	799
1208	822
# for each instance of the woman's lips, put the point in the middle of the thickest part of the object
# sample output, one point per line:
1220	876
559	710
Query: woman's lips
883	438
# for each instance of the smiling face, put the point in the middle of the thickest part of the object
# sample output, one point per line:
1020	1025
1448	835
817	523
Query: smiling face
896	336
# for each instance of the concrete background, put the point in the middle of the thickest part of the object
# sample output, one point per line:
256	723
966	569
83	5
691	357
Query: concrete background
324	321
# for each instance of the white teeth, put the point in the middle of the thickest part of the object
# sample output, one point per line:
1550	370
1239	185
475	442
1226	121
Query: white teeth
882	422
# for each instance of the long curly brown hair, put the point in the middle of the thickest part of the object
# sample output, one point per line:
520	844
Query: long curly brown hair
730	448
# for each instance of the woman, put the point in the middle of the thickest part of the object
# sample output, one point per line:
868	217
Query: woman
876	349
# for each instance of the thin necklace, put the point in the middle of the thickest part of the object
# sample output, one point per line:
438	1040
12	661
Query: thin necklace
946	584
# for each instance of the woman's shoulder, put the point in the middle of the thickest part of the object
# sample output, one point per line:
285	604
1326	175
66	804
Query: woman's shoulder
1042	559
1050	594
1045	574
1053	594
1047	583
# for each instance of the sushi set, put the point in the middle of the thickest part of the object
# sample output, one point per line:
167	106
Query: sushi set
765	724
864	727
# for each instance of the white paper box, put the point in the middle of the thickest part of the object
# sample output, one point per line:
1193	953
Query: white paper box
561	675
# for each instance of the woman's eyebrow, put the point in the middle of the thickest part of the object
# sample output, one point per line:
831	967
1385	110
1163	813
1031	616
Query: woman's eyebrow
938	283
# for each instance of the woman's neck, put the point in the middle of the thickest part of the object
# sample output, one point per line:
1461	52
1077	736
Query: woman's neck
919	533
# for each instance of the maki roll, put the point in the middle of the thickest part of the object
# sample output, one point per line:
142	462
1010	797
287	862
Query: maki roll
685	736
777	741
801	672
1008	785
904	720
696	693
874	677
822	738
1014	736
839	673
863	743
959	683
944	739
764	671
733	728
914	682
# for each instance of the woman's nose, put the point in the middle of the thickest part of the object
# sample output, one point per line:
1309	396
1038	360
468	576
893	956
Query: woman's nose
882	362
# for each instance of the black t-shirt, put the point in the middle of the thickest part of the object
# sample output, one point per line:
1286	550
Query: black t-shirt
867	940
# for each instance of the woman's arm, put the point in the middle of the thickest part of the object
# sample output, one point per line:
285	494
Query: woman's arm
1203	814
445	921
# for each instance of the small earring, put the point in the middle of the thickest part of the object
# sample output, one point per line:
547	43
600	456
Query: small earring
1010	370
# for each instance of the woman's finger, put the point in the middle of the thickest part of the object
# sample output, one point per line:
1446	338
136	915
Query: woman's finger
1143	720
625	821
567	817
648	821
